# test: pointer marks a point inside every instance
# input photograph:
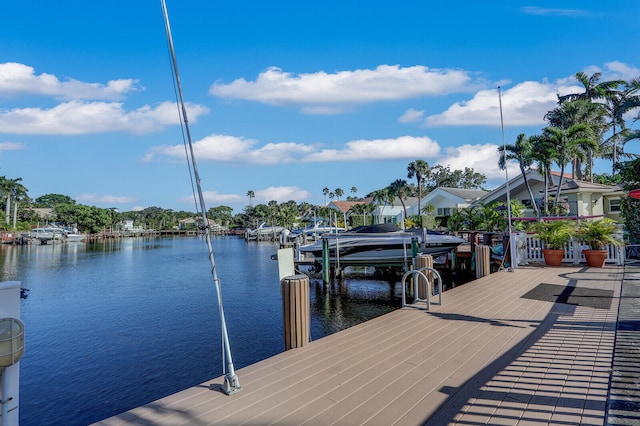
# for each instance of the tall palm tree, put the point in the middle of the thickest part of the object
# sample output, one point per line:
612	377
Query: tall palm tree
354	191
522	152
617	105
399	188
251	195
581	111
380	197
5	190
419	169
593	88
338	192
325	191
565	145
18	193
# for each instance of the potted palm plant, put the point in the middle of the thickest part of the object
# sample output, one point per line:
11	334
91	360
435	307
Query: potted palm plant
555	235
598	234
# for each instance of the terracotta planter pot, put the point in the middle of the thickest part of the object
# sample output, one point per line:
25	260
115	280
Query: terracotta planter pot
553	257
595	258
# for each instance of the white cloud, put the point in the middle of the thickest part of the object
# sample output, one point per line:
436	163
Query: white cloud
325	93
78	118
379	149
411	116
232	149
11	146
280	194
614	70
20	80
104	199
525	104
224	148
534	10
481	158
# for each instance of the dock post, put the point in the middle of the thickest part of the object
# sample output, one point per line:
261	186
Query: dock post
422	261
295	311
483	260
326	264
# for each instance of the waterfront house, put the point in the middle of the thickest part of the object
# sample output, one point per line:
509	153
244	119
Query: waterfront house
583	198
447	200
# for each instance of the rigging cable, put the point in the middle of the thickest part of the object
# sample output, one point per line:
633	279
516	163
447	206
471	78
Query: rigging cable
231	384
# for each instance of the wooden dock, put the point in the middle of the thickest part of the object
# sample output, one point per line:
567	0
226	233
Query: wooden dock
533	346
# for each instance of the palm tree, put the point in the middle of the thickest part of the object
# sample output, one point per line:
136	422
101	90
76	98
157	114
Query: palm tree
380	197
617	105
565	145
251	195
5	189
581	111
419	169
18	193
338	192
354	190
399	188
593	88
11	188
542	153
521	151
325	191
596	90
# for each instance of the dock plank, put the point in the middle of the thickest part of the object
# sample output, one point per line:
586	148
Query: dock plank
485	354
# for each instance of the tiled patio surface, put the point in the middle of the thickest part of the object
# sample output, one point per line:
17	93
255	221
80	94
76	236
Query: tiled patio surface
488	355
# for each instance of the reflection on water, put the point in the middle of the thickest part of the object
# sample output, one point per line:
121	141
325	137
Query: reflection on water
116	324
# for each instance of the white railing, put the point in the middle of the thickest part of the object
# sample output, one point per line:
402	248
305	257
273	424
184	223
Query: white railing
529	250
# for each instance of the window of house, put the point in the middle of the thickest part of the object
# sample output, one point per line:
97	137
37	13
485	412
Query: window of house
614	205
444	211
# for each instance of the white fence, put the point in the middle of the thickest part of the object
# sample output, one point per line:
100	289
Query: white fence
529	250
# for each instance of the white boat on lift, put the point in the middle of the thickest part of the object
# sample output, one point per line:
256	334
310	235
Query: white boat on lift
264	231
315	230
379	245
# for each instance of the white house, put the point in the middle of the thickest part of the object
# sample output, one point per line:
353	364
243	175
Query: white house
447	200
393	212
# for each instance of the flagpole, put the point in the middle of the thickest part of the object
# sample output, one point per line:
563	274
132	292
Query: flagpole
506	170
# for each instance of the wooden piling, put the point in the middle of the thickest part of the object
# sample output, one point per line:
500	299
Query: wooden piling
483	260
295	310
421	261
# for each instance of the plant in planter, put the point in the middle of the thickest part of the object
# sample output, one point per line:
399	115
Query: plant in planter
555	235
598	234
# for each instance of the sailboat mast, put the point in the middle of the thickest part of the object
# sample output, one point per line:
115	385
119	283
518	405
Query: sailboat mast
231	384
506	169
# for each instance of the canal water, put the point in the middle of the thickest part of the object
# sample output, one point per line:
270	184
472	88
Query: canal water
112	326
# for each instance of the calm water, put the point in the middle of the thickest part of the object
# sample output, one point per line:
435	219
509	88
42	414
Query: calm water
112	326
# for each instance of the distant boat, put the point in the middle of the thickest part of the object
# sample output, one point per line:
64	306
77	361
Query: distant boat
316	229
46	234
380	245
263	231
73	237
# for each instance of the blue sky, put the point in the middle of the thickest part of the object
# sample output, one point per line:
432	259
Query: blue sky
285	98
